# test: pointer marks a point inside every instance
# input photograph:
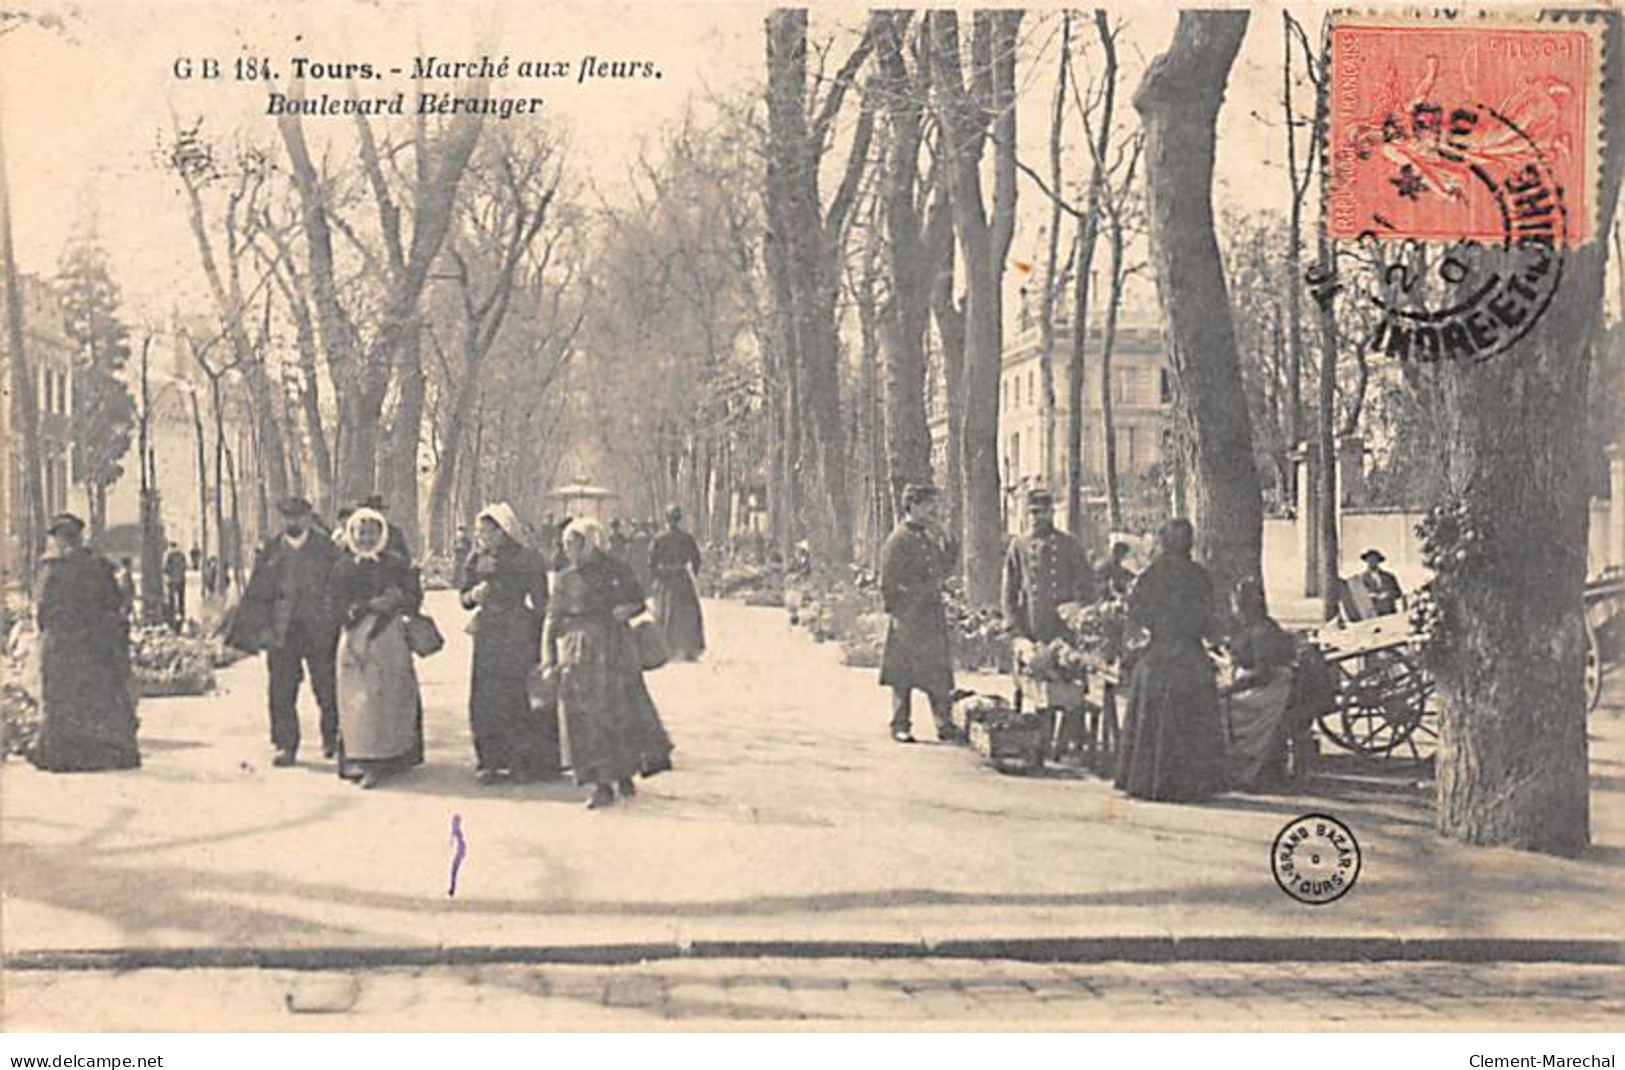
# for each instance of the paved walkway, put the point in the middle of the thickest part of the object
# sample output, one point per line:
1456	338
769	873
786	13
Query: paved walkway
791	819
803	994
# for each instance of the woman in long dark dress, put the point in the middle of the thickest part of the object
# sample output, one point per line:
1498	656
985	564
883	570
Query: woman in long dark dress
674	563
505	582
613	729
87	712
1173	744
380	708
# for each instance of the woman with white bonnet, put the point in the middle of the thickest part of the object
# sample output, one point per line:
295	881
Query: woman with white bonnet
380	710
614	732
505	584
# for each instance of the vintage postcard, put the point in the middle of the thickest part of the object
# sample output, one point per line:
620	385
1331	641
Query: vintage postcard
659	516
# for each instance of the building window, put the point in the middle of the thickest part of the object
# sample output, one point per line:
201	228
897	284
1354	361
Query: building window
1165	387
1123	384
1013	462
1031	393
1128	461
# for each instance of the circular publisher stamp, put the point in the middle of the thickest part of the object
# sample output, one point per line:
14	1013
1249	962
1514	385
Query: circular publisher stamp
1315	859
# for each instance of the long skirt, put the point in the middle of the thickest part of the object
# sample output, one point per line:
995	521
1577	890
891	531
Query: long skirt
507	732
87	709
1173	744
677	608
380	709
610	722
1255	730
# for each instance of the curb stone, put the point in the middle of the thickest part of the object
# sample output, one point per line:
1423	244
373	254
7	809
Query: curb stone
1146	949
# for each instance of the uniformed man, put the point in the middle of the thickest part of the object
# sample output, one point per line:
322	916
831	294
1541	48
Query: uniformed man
914	564
1043	570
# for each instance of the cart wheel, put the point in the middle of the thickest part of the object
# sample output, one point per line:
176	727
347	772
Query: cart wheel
1383	702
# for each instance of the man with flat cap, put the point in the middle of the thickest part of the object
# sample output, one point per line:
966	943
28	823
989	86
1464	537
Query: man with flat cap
1043	570
298	627
914	564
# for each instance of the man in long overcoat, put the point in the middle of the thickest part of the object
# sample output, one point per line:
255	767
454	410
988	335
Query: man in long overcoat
914	564
1043	570
297	626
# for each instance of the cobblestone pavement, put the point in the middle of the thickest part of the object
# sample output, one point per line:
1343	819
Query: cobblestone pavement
779	993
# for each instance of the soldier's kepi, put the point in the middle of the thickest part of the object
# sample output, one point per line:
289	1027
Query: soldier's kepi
914	564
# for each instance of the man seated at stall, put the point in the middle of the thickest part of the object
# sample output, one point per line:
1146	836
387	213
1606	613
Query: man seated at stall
1375	592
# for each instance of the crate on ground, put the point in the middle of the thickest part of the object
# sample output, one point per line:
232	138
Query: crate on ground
1014	743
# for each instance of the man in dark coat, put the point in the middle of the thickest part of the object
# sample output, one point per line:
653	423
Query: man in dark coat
914	564
1376	591
87	711
289	593
1043	570
175	587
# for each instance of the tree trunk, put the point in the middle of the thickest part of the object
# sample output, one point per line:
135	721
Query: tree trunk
1108	414
24	398
984	243
405	440
1512	764
202	474
950	317
1083	279
1178	101
217	406
1052	285
810	244
909	248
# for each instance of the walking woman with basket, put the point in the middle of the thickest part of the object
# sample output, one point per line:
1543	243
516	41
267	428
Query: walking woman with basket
613	729
505	583
380	708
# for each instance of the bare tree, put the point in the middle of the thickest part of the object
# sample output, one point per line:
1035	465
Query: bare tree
1122	218
967	110
1083	259
1178	101
917	241
512	185
805	255
362	373
195	163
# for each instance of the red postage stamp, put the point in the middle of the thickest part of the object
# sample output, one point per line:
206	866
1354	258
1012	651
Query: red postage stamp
1468	129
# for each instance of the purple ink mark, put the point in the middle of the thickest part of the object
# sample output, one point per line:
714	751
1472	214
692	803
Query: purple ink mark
459	850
